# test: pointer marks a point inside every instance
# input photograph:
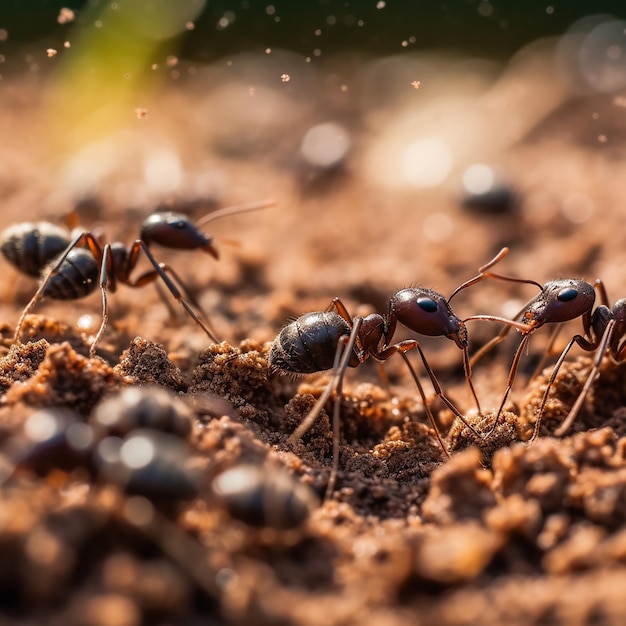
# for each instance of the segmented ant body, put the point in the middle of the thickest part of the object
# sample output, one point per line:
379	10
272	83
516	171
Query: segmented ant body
72	264
333	339
558	301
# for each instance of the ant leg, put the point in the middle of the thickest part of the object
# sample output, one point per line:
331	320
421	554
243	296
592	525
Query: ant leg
439	393
511	379
308	421
583	343
94	248
468	376
105	268
340	308
601	351
169	283
340	365
601	289
546	353
429	414
343	365
151	276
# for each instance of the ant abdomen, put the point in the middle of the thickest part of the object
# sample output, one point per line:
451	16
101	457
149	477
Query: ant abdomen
309	343
263	496
77	277
31	246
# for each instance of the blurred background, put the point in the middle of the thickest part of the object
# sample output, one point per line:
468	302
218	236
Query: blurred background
474	27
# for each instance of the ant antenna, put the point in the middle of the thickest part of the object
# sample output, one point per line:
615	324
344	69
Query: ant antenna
235	210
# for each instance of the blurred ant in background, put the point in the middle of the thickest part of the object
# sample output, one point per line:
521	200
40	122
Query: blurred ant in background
72	262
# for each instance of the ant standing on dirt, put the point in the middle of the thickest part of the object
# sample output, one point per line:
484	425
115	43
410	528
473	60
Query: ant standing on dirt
333	339
605	330
71	264
558	301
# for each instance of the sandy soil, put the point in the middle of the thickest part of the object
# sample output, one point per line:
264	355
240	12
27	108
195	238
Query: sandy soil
503	531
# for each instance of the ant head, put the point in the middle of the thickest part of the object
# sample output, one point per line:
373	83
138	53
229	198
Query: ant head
427	312
176	231
560	300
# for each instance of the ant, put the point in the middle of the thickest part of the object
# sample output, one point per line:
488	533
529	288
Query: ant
604	332
558	301
72	262
333	339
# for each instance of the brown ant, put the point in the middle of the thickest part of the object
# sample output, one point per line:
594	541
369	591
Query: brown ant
604	330
73	263
333	339
558	301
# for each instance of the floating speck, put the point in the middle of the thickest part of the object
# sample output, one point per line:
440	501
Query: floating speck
381	4
285	78
51	52
416	84
171	61
67	44
65	16
141	113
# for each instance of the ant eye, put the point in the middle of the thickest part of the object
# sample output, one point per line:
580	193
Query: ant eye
180	225
427	304
567	294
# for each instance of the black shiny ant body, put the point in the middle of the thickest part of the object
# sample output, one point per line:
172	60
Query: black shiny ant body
72	264
333	339
558	301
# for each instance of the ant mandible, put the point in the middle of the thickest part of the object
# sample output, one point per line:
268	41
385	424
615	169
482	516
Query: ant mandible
333	339
558	301
71	264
